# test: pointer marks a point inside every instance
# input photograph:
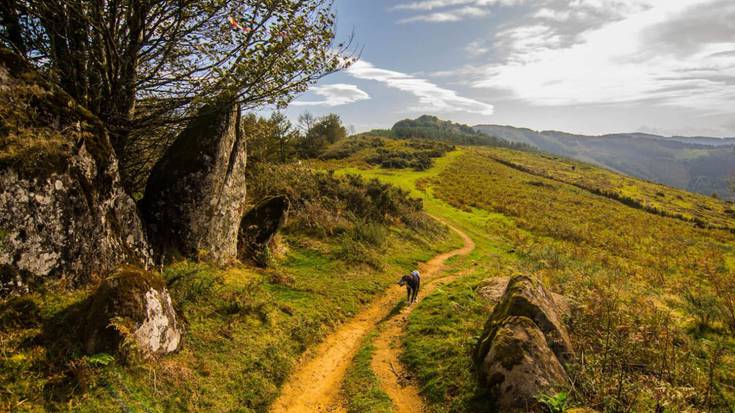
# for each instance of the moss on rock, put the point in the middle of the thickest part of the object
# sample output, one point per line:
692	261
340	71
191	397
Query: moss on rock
523	345
132	306
40	124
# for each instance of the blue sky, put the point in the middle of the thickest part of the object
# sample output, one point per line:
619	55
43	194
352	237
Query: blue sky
583	66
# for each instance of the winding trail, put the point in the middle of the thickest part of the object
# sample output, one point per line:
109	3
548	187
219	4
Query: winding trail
392	375
315	384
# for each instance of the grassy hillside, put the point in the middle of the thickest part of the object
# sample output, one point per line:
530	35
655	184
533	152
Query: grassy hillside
702	165
345	241
655	316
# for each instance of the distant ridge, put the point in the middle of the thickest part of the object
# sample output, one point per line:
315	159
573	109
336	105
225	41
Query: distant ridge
697	164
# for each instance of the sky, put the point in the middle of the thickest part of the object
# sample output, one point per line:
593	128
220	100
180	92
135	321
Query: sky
580	66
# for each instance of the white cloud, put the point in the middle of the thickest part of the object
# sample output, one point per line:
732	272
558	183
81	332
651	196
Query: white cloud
334	95
430	96
552	14
438	11
449	16
427	5
660	51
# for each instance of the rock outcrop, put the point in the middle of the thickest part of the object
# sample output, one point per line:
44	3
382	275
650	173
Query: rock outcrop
258	227
195	196
131	304
524	345
63	210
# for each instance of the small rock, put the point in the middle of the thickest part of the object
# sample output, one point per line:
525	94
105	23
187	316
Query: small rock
133	303
258	227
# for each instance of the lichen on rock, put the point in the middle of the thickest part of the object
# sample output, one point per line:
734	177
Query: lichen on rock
524	345
195	195
63	211
519	366
525	296
132	305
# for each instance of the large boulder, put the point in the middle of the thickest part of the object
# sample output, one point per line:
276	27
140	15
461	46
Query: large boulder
63	210
132	304
519	366
526	296
195	196
258	227
524	345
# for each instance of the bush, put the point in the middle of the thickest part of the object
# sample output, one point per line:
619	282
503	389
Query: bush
325	205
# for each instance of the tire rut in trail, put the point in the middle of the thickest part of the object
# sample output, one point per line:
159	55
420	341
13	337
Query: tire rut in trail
314	385
391	373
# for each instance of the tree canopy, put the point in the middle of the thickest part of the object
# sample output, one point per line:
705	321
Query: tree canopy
143	65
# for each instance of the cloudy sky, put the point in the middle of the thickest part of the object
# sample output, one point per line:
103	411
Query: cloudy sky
584	66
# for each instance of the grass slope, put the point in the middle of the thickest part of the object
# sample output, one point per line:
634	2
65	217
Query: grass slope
245	327
656	308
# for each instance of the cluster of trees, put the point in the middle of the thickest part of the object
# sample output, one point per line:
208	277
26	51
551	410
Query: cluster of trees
276	140
431	127
144	67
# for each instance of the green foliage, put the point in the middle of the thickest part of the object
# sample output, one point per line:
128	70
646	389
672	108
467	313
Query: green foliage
99	359
433	128
556	403
387	153
361	388
326	205
269	139
319	133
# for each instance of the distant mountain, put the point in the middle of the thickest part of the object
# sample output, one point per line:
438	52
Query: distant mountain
697	164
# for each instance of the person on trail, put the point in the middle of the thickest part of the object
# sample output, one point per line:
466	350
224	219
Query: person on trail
412	282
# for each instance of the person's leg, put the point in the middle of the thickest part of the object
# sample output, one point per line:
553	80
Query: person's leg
416	291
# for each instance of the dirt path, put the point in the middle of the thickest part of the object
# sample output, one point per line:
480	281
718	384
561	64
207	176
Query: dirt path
315	385
394	379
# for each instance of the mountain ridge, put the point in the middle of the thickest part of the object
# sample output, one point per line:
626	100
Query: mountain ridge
695	139
699	164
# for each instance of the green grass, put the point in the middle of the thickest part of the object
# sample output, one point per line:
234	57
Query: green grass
628	268
245	329
361	388
445	325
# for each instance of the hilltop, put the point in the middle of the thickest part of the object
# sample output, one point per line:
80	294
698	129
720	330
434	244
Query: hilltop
698	164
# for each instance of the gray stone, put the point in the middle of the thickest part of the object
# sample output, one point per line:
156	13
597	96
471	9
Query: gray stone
524	345
132	304
258	227
64	214
525	296
519	366
195	196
